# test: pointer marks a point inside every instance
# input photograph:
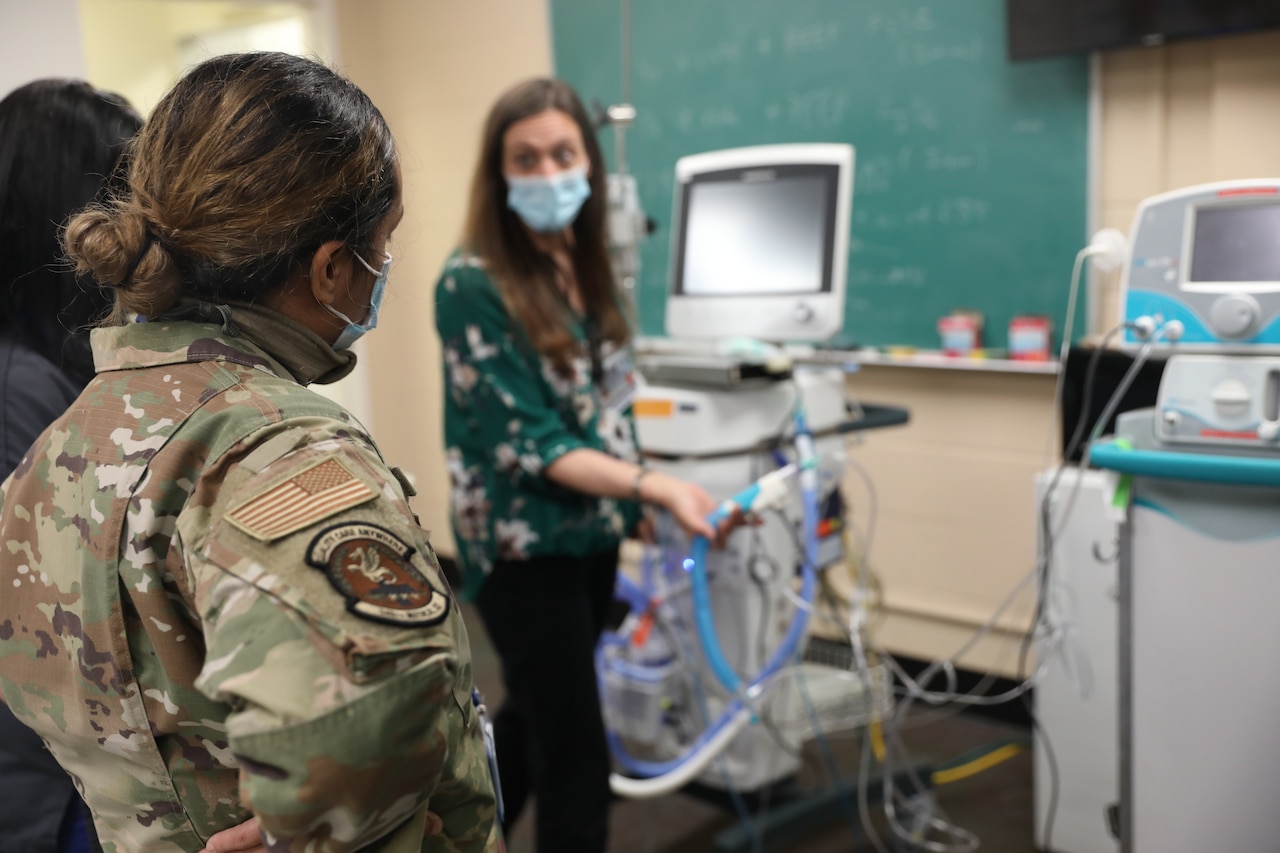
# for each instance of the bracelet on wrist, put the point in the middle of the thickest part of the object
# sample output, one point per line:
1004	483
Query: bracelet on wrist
635	484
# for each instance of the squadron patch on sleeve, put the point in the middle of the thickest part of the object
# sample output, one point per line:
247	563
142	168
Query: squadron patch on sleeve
310	496
369	565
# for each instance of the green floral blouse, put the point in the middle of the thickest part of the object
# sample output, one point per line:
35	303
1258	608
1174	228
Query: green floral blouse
508	414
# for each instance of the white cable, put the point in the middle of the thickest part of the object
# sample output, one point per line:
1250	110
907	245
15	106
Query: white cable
1062	466
857	624
965	840
1064	347
1051	639
952	697
1107	249
947	665
1079	673
673	780
800	604
864	805
1048	532
1139	360
858	604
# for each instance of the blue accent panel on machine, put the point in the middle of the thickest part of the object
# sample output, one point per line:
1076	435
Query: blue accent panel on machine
1146	303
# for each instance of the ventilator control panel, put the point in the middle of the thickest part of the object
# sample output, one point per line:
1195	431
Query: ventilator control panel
1208	256
1220	400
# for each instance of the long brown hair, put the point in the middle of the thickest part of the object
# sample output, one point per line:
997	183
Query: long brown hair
525	275
243	170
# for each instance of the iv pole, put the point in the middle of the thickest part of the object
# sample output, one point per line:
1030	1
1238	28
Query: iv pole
627	223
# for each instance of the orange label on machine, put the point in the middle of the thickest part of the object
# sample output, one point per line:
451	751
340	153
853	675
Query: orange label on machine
653	408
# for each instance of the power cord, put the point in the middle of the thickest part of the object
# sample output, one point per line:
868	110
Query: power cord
1048	533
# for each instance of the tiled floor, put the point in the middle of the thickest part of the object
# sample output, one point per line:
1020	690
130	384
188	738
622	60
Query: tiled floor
995	805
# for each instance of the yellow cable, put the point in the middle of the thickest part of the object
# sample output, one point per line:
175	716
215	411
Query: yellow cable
973	768
875	730
877	740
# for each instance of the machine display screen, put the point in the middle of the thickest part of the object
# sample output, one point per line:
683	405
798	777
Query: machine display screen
757	231
1236	243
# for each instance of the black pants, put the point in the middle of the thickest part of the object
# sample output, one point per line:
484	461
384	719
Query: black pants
544	617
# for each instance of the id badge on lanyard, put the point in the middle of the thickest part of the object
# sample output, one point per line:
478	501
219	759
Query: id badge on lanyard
618	381
490	750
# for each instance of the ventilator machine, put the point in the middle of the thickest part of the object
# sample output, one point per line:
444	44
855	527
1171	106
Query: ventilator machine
712	679
1206	259
1194	491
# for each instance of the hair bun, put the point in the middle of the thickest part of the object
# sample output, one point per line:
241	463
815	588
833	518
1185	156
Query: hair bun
107	242
115	244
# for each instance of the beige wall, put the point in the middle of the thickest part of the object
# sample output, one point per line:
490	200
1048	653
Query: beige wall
135	46
434	68
955	505
141	75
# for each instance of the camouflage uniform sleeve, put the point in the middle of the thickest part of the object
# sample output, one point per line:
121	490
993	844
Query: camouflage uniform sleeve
331	633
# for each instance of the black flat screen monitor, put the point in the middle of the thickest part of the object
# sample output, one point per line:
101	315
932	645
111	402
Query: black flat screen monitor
1038	28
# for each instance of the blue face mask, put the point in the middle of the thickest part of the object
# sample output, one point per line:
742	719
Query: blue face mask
548	203
354	330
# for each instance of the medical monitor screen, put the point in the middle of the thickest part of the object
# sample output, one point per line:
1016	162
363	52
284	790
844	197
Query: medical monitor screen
1239	243
757	232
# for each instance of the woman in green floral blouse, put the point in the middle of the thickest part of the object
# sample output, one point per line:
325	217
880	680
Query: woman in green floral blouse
541	447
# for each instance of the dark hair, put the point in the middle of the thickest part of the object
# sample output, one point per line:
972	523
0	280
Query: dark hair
525	275
61	142
243	170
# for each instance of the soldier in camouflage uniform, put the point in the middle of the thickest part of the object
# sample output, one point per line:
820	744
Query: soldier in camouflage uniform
219	604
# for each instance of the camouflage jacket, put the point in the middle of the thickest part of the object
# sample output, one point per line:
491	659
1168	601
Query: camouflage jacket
218	602
509	413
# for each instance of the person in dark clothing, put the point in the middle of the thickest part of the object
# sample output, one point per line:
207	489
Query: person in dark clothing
546	473
61	142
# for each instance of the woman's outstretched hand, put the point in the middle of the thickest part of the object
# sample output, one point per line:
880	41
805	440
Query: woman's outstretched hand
688	503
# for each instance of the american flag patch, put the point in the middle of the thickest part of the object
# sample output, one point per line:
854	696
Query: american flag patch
311	495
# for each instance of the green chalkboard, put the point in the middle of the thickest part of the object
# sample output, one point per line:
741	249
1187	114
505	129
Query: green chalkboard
970	185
